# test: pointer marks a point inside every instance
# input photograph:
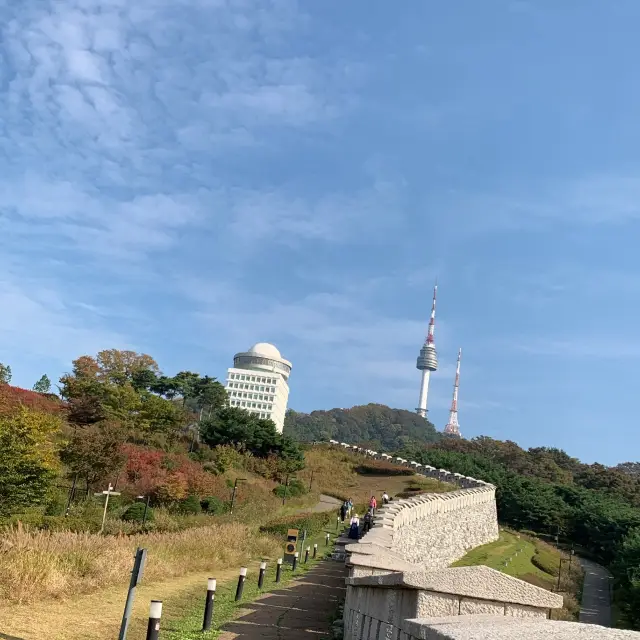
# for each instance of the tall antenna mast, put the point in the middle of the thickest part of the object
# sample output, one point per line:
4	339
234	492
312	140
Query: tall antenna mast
453	428
428	359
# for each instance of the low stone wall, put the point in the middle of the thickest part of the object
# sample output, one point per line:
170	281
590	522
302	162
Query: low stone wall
428	531
435	530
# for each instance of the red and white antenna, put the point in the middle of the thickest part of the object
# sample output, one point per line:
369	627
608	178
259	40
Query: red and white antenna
432	320
453	428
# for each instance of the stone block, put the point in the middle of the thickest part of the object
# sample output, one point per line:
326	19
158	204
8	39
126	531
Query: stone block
431	604
485	627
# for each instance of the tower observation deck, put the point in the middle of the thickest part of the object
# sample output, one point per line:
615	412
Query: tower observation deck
427	360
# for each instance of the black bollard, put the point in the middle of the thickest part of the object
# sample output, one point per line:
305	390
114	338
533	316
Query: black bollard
208	604
155	613
278	569
263	568
315	550
295	561
241	578
326	540
306	554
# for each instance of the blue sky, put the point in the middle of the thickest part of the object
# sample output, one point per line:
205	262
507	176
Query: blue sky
187	177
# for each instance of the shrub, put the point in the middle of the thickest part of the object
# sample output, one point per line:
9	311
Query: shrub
546	561
135	513
213	505
190	505
294	490
311	522
379	468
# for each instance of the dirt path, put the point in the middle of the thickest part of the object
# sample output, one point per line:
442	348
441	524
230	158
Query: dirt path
596	596
305	607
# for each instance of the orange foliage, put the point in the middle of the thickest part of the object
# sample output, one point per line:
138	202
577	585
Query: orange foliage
169	476
12	398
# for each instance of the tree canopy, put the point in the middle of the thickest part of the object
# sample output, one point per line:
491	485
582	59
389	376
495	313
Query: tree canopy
373	425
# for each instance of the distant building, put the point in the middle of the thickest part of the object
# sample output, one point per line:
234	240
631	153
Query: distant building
259	382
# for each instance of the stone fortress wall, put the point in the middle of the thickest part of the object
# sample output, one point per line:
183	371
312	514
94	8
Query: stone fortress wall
400	585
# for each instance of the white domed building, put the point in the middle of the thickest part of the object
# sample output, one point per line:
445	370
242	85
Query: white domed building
259	382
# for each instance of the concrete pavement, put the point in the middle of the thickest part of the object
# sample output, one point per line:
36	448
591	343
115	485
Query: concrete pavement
596	595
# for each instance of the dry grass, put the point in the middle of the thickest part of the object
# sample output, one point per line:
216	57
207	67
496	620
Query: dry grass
41	564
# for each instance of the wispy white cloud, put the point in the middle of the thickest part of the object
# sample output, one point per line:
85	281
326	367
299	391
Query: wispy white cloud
592	200
38	324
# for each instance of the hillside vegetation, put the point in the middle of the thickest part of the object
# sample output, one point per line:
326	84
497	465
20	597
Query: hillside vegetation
374	426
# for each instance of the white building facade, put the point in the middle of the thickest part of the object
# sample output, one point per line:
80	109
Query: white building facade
258	382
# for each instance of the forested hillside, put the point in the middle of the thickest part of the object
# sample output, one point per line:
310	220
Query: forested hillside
373	425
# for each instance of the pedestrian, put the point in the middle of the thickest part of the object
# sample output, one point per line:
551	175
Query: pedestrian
385	498
354	527
373	503
343	511
368	521
350	506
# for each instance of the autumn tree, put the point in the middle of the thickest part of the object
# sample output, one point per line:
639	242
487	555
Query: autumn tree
5	373
43	385
119	386
28	460
94	452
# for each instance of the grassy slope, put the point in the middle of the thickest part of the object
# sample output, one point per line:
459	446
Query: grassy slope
521	566
496	553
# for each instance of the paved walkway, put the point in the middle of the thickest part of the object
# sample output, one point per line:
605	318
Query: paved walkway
326	503
301	610
596	596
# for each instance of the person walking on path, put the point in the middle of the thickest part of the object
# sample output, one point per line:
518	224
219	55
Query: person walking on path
343	511
368	521
354	527
350	505
385	498
373	504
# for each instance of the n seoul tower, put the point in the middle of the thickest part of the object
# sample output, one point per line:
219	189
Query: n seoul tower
453	428
427	360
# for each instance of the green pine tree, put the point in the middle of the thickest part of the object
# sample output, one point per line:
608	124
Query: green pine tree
43	385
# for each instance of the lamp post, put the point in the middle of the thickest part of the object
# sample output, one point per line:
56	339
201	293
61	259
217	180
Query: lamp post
571	554
286	485
233	495
559	574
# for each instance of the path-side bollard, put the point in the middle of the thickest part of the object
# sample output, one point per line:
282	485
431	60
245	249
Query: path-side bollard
208	604
279	570
315	550
155	613
241	578
263	568
326	540
338	524
306	554
295	561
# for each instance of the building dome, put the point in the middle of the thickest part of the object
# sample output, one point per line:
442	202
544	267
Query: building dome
266	350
